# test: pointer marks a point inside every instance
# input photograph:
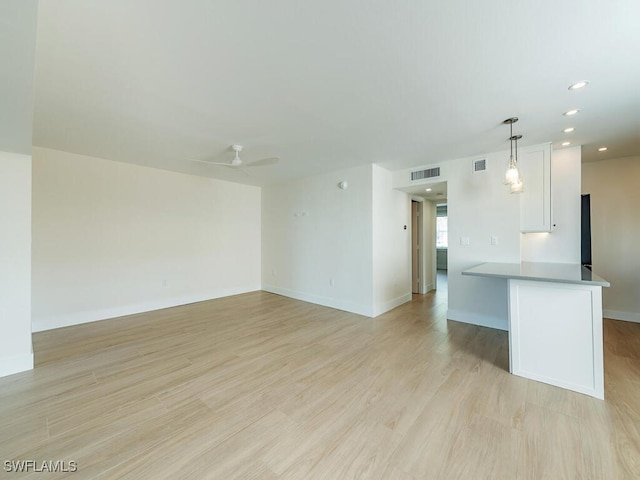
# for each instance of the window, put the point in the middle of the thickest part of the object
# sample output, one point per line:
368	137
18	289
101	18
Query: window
442	229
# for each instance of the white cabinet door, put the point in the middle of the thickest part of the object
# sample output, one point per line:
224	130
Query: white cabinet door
535	200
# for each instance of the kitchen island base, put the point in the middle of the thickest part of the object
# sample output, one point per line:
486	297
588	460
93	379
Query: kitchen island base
555	334
555	323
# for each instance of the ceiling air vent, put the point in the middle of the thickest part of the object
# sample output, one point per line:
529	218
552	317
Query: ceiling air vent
428	173
480	165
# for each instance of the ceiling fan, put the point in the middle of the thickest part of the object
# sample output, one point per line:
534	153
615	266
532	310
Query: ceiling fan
237	162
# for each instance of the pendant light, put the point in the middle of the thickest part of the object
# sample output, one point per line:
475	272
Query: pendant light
512	175
516	186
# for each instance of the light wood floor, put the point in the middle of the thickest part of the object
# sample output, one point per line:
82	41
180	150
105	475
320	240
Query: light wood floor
258	386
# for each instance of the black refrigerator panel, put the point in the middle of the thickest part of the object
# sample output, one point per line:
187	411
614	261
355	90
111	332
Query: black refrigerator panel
585	238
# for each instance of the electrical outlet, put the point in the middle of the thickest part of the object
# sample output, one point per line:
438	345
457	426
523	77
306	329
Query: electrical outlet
465	241
331	282
494	240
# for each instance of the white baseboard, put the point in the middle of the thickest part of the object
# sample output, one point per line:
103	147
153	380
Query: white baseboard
320	300
430	287
391	304
77	318
16	364
593	391
618	315
480	320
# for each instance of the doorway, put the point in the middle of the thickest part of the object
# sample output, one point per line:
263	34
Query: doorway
442	238
429	238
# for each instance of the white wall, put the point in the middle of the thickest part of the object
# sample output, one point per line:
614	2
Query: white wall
479	206
562	245
316	240
18	19
615	230
112	238
391	243
15	263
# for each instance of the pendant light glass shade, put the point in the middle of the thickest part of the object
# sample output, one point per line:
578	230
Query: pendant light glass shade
512	174
517	186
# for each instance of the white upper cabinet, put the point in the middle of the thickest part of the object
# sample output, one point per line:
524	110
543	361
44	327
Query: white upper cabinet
535	201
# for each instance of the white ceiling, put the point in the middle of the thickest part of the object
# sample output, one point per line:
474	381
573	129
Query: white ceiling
333	83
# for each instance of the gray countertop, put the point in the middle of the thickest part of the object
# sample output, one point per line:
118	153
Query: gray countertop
542	272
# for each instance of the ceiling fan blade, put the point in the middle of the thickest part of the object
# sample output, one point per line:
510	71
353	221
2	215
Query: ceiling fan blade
214	163
230	165
264	162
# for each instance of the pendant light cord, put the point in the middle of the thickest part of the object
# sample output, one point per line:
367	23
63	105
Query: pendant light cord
511	138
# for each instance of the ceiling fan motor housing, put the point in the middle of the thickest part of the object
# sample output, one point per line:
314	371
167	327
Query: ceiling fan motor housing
236	162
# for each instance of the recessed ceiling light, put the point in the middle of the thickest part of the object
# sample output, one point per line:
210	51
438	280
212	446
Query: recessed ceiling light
428	190
578	85
602	149
566	144
568	130
571	112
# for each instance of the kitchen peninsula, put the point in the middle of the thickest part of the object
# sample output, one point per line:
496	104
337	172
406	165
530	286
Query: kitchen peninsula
555	323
